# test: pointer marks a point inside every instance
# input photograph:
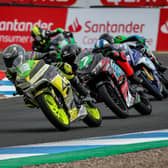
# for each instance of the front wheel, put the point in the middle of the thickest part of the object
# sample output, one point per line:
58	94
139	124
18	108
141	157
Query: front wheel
144	107
113	100
54	113
147	83
163	79
93	119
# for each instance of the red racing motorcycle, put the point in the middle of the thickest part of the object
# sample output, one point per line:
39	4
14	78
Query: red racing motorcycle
109	84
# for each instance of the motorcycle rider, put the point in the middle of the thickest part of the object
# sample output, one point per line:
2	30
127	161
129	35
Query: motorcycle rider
43	43
42	40
108	48
140	43
14	55
70	52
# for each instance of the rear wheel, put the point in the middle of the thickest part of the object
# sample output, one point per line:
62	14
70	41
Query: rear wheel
113	100
93	119
164	84
163	79
54	113
144	107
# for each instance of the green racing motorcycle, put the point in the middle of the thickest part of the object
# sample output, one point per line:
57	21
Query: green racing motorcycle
43	86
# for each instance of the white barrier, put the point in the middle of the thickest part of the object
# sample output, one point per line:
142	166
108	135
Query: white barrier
7	89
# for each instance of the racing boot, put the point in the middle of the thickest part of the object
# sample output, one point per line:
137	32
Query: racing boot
82	90
155	61
159	66
74	112
28	102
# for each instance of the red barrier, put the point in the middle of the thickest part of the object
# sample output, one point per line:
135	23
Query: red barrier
134	3
162	43
6	1
16	23
118	3
42	2
55	2
2	75
23	1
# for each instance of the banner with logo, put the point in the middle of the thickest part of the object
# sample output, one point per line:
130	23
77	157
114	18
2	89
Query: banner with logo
88	24
88	3
162	44
16	23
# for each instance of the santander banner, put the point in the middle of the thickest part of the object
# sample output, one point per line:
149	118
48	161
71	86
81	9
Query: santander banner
162	44
87	25
16	23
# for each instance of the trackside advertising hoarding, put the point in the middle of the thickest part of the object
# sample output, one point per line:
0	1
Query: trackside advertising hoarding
87	3
134	3
88	24
16	23
162	44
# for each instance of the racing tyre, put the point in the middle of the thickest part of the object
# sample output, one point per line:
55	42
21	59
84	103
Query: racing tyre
93	119
153	90
54	113
112	98
144	107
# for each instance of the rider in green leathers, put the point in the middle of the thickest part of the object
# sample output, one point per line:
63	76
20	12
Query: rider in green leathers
43	42
15	55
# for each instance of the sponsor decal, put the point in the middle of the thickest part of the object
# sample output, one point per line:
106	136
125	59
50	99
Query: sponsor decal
134	3
21	26
75	26
164	28
110	27
163	31
16	23
103	27
107	26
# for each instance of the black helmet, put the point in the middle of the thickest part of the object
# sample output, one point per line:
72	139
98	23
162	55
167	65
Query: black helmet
11	53
69	53
107	37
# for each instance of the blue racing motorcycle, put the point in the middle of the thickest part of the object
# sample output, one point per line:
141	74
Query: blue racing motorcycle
145	69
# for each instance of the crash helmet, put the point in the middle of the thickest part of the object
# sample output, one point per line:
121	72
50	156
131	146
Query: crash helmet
39	35
13	55
102	44
107	37
69	53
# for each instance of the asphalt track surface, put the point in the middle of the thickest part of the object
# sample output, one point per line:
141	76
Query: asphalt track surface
20	125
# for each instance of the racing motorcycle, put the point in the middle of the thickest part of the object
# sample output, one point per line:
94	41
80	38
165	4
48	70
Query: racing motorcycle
153	80
109	84
38	85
